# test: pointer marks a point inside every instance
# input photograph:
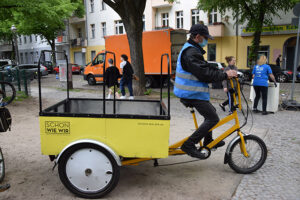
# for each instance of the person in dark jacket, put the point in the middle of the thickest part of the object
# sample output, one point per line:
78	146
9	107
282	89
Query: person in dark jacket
111	78
127	76
193	74
226	84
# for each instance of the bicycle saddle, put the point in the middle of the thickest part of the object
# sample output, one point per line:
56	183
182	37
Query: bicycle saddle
186	104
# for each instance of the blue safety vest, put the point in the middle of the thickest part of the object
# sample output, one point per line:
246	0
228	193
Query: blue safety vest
187	86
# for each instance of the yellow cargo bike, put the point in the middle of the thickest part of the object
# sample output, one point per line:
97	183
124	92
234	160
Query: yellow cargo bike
90	139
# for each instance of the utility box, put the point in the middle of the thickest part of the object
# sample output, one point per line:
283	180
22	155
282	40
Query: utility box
273	98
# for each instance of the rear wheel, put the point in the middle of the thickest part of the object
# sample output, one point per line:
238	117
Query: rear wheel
88	171
281	78
257	151
91	80
7	93
2	167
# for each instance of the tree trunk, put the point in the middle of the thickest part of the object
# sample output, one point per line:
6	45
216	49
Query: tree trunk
135	35
53	54
255	47
131	13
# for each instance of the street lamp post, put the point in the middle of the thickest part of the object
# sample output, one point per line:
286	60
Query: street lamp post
14	31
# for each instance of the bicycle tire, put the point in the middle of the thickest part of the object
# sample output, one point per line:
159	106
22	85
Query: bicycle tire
2	167
7	93
235	152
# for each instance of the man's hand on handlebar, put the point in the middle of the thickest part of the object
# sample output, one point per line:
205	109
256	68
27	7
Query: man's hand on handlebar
231	74
225	90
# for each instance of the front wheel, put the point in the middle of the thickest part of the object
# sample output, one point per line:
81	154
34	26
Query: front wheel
281	78
7	93
2	167
91	80
88	171
257	155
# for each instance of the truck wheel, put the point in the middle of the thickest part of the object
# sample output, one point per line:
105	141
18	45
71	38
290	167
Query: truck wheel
149	81
88	171
91	80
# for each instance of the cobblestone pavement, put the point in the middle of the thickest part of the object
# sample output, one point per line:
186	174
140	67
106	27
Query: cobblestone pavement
279	178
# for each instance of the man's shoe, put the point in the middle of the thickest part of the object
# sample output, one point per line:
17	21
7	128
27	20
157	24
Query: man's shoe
191	150
255	110
264	113
123	97
223	107
131	98
4	187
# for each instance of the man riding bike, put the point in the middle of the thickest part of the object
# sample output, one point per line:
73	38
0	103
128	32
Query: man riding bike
193	74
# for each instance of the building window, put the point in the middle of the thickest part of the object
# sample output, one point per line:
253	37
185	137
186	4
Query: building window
179	19
93	54
92	5
144	25
211	52
79	32
30	38
195	16
26	58
165	19
93	31
25	39
119	27
37	56
103	6
36	38
20	41
21	58
263	50
213	17
103	26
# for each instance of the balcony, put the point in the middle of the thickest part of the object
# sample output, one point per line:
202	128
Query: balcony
216	30
77	20
61	40
79	42
160	4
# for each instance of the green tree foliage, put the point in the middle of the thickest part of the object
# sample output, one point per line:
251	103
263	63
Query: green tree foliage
40	17
255	14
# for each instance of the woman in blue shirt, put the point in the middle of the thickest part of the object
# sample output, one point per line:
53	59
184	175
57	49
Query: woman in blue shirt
261	73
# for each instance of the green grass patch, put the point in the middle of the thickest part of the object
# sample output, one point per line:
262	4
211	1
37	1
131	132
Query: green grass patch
21	96
71	90
148	92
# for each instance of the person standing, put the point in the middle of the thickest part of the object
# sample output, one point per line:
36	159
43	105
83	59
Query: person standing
193	74
278	61
261	73
226	84
111	78
127	77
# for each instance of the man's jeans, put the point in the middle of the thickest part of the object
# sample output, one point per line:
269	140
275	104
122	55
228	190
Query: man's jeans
127	82
208	111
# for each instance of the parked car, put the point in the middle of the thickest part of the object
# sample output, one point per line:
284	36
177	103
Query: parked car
75	68
33	68
222	67
5	62
49	66
281	76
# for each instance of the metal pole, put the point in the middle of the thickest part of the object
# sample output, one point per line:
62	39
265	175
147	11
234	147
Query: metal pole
296	61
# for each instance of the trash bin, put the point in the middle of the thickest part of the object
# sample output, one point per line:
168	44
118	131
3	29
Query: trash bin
273	98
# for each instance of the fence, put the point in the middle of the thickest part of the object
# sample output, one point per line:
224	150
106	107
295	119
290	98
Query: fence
21	79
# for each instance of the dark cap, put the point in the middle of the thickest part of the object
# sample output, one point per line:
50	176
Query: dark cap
201	30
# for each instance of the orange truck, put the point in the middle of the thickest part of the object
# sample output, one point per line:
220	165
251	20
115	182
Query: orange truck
155	43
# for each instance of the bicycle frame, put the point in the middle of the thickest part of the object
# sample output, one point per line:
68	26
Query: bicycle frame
174	149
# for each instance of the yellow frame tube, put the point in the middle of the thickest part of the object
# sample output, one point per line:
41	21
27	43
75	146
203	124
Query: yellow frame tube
173	149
